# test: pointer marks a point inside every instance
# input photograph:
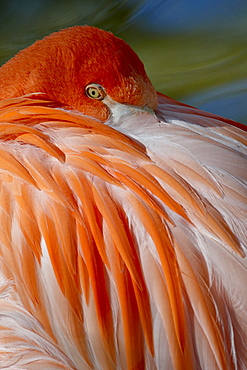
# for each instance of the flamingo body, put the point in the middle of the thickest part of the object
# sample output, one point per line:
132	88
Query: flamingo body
123	217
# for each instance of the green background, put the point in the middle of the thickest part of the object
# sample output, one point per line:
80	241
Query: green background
193	51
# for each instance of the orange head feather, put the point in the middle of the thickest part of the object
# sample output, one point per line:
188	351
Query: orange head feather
63	64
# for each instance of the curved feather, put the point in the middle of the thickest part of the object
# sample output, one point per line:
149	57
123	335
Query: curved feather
107	232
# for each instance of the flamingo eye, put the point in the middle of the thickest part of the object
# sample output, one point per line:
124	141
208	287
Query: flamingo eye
95	91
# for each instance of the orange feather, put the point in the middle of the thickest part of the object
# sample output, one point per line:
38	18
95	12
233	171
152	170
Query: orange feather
123	222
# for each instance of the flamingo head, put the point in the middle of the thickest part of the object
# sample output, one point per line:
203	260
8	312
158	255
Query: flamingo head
81	68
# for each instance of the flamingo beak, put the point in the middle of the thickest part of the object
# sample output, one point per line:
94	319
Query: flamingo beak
120	111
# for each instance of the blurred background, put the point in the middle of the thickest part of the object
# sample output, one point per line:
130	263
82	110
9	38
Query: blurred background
194	50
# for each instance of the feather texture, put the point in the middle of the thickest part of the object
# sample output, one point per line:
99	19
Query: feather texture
121	246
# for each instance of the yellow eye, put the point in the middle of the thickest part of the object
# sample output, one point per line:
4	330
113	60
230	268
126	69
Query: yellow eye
95	91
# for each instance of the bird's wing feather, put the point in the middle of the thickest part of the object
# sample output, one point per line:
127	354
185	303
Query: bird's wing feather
107	233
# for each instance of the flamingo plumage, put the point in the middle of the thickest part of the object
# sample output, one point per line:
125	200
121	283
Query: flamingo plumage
123	216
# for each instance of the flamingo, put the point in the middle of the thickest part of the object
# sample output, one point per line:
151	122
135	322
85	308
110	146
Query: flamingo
122	216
